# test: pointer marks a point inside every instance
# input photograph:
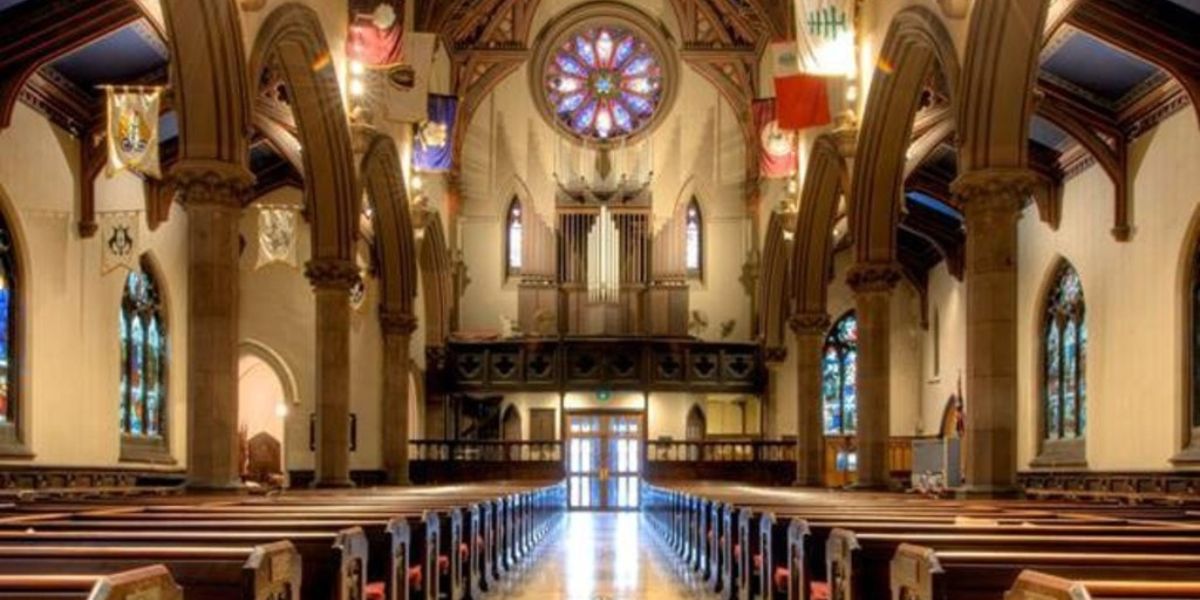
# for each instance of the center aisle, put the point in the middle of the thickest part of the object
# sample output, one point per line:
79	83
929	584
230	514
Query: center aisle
601	556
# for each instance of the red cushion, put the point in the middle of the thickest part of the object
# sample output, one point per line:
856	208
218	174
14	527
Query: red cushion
464	551
737	551
820	591
376	591
444	563
781	579
415	578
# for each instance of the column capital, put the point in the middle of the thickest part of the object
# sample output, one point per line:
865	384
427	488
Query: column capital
210	183
995	189
809	323
396	322
331	273
869	277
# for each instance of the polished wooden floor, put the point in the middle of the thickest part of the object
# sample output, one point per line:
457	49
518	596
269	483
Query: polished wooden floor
601	556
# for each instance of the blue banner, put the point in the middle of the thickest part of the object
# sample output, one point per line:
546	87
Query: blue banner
433	148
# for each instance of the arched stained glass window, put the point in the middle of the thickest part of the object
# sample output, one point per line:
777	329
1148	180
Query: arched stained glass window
143	358
514	238
603	82
9	329
1065	357
694	240
839	370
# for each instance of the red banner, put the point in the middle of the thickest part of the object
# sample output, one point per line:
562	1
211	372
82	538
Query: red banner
777	157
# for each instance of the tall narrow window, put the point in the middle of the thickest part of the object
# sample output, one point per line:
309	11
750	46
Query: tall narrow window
513	238
143	358
694	240
9	336
1065	357
1195	357
839	368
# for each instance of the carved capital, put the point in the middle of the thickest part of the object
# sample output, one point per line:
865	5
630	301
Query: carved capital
332	273
809	323
865	278
995	190
211	184
394	322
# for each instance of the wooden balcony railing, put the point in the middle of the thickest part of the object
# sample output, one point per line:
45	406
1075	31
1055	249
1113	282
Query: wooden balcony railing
484	451
720	451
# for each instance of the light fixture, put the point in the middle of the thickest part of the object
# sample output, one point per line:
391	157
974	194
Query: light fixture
356	87
417	184
357	68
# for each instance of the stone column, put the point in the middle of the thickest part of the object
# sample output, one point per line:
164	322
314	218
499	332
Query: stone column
331	280
397	329
873	285
810	333
992	201
212	194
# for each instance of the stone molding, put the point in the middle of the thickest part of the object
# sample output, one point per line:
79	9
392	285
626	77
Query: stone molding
865	278
991	190
332	273
393	322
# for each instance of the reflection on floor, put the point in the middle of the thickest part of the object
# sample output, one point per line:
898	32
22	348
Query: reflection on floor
601	556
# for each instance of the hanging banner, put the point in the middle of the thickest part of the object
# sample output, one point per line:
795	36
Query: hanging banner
118	241
801	99
433	145
777	157
133	131
276	235
407	90
376	32
825	37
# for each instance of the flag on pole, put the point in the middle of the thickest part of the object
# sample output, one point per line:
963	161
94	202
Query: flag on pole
825	37
132	130
801	99
376	32
777	158
433	146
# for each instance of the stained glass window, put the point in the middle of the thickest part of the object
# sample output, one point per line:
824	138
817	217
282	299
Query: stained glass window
8	326
514	237
143	357
839	370
694	240
604	82
1065	357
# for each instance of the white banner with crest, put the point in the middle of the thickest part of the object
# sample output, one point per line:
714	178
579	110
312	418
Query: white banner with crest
276	235
133	130
825	37
119	240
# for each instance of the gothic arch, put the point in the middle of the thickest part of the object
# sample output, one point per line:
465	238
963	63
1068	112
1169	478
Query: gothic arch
1187	274
292	41
917	42
437	282
827	179
395	241
774	286
263	352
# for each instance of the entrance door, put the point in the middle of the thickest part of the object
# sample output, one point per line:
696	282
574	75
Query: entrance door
604	460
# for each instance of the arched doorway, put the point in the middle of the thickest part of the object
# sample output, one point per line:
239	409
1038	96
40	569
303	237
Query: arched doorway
510	429
695	430
265	396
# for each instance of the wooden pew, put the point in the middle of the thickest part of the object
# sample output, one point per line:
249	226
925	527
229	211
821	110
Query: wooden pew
1033	585
920	573
263	572
146	582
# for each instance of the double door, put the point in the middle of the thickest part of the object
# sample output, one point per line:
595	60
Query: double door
604	460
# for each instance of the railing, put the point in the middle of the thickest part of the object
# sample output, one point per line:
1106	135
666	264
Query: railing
484	451
720	451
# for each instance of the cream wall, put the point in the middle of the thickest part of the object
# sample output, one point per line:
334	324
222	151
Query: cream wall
947	299
1134	317
277	309
71	375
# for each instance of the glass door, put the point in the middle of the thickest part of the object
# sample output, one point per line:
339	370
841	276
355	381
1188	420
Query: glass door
604	459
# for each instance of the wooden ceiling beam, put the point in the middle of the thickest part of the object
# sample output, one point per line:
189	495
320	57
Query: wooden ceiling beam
34	34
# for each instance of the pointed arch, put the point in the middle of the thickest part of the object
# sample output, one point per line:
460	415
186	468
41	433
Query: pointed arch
514	238
1062	365
144	365
291	40
510	424
395	241
774	285
14	297
917	43
839	365
696	425
826	181
1188	294
267	354
437	280
694	239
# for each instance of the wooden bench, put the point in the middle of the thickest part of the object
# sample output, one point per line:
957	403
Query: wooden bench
146	582
1033	585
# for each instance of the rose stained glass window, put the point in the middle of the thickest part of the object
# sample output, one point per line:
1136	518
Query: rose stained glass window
604	83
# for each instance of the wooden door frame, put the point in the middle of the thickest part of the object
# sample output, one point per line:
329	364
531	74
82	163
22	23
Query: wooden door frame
604	412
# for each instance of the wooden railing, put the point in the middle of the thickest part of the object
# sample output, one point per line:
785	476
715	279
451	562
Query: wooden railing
484	451
720	451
